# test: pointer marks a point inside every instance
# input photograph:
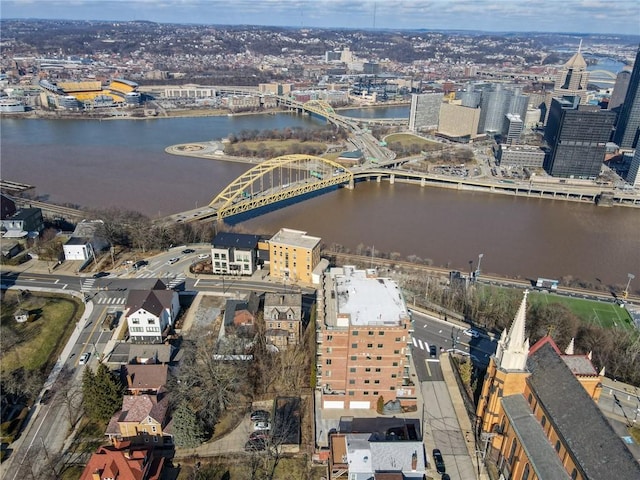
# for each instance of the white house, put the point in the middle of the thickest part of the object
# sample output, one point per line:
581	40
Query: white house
84	242
149	313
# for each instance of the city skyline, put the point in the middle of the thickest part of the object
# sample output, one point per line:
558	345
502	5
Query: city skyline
571	16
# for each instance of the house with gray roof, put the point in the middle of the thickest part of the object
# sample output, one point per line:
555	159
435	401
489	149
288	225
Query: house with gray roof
150	313
234	253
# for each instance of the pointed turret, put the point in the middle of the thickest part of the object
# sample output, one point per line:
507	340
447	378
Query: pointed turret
601	372
513	347
570	348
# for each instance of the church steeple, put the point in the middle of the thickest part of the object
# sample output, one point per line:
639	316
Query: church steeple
513	347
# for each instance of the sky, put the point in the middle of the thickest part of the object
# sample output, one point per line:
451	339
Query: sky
576	16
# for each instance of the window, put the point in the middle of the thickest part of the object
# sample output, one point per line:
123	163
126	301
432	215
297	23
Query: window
367	382
377	382
529	398
369	345
352	382
153	428
329	338
525	473
328	362
366	393
574	474
135	321
395	364
328	349
353	357
155	439
367	369
558	446
354	333
397	339
370	332
381	333
543	422
151	321
354	345
396	352
380	345
392	388
394	375
512	454
378	358
351	393
378	370
352	370
375	393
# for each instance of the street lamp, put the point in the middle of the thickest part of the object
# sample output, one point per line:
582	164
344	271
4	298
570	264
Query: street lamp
625	294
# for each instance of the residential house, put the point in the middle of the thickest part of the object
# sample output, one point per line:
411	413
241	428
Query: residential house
234	253
363	456
123	463
142	420
150	313
283	318
84	242
7	207
25	222
10	249
144	379
240	315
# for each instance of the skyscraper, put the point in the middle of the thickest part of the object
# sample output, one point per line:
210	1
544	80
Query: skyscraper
620	89
425	110
577	136
628	126
573	78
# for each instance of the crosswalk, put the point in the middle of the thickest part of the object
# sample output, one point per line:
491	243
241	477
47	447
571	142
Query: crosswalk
110	300
419	344
87	284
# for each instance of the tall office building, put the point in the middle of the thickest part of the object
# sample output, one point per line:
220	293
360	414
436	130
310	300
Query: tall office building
513	128
571	81
620	89
573	77
425	111
577	136
633	175
628	126
363	341
498	101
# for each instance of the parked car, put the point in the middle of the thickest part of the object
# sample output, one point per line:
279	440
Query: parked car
173	260
433	350
260	416
46	396
445	476
470	332
439	461
186	251
140	263
84	358
202	256
256	445
100	274
262	425
258	435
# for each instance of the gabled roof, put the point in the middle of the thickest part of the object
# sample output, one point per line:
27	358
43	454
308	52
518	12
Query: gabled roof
152	301
136	408
242	241
592	441
125	464
144	377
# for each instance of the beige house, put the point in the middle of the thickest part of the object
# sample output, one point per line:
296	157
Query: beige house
142	420
283	318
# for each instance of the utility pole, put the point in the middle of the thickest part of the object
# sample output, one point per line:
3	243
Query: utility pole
477	275
625	294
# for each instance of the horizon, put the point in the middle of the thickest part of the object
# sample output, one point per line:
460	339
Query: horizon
572	17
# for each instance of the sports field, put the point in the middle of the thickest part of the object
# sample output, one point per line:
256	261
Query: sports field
603	314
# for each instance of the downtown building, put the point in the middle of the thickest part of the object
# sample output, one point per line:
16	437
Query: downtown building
628	125
577	136
363	342
425	111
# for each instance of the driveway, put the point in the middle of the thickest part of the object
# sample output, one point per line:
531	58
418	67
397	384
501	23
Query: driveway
230	443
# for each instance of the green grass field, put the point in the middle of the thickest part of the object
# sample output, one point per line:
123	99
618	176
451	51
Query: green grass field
603	314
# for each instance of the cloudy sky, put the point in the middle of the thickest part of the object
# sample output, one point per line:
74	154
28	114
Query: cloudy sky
584	16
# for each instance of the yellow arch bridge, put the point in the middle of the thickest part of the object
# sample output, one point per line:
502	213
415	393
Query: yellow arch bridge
278	179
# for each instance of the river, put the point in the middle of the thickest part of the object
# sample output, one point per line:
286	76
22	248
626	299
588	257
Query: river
122	163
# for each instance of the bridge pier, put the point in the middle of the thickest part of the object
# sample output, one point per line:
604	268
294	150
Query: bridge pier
423	182
379	178
352	184
392	179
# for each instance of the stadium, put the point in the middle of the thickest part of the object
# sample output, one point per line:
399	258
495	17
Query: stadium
89	95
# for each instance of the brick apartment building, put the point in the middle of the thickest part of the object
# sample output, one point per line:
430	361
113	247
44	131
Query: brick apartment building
363	334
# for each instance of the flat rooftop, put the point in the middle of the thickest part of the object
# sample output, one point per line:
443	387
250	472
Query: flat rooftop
295	238
361	298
